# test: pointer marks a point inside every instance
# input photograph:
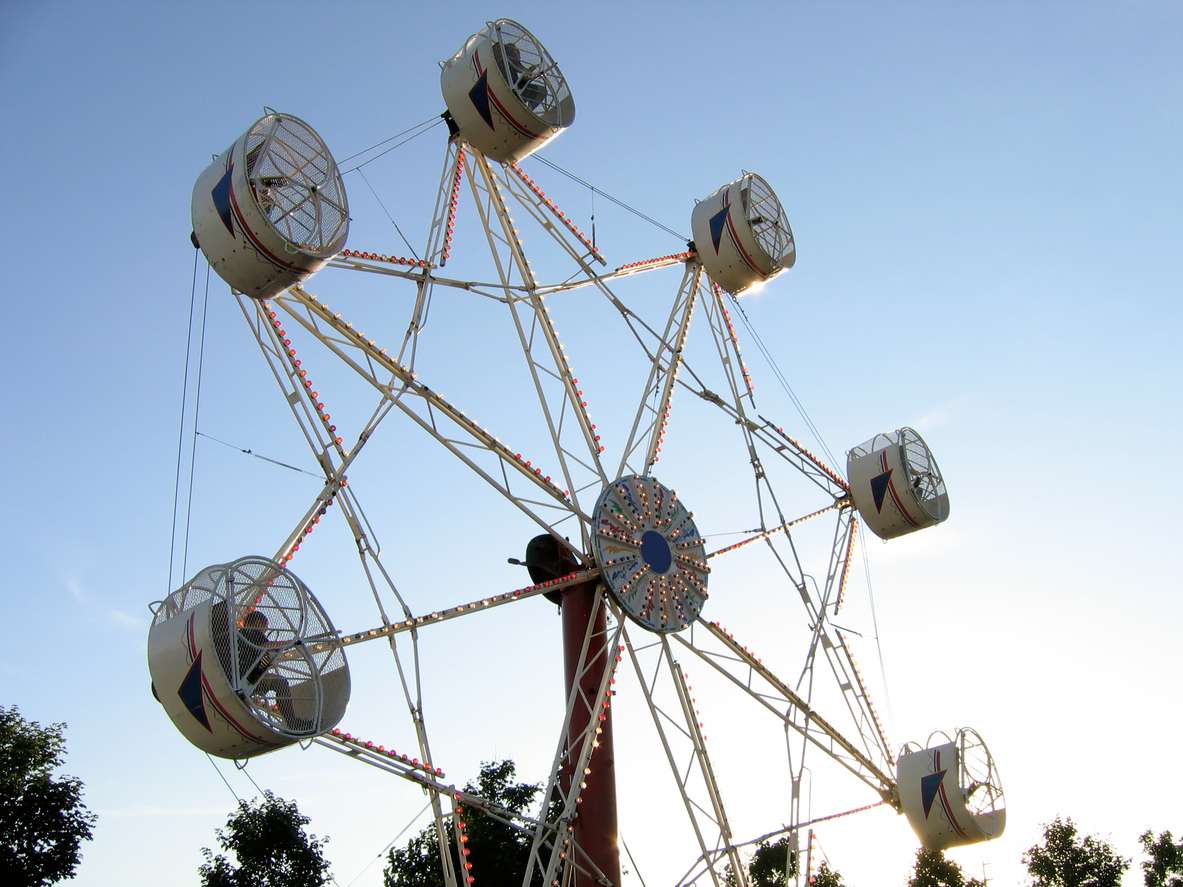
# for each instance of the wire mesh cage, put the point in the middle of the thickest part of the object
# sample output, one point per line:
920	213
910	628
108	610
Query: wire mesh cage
532	74
506	95
978	776
260	645
296	184
768	219
271	209
742	234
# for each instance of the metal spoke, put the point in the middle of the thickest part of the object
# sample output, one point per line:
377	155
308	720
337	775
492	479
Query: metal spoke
698	754
748	673
539	340
652	416
429	780
707	772
375	263
462	436
758	535
334	462
447	614
438	238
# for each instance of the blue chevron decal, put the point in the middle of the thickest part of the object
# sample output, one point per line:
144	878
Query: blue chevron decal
929	786
190	693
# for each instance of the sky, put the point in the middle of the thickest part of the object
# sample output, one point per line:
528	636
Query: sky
987	206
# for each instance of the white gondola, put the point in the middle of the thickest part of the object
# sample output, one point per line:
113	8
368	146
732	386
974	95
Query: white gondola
742	234
896	484
245	661
271	209
950	791
505	93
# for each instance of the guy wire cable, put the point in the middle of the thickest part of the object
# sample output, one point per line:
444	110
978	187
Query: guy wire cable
172	539
196	413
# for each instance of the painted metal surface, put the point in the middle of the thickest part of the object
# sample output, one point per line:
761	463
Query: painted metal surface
651	555
271	209
505	93
896	484
950	792
230	665
742	234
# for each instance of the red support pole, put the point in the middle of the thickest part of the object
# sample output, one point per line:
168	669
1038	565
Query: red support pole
595	823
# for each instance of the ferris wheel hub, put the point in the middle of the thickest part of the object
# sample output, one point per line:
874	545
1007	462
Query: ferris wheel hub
650	553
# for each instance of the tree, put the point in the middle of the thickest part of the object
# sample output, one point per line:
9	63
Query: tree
933	869
772	865
498	852
1066	860
826	877
268	840
1164	868
43	821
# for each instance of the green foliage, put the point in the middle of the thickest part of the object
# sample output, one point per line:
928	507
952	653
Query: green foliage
933	869
268	840
1064	859
43	821
1164	868
497	852
768	866
826	877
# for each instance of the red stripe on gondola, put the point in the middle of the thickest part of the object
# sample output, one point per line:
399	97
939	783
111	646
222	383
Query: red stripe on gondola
743	253
267	254
476	63
945	801
735	238
192	640
509	117
894	495
209	693
948	812
230	719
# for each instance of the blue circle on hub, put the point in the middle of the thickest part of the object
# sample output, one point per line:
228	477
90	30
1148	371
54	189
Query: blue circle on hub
655	551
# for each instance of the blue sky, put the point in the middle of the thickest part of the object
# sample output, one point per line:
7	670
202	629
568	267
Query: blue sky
987	204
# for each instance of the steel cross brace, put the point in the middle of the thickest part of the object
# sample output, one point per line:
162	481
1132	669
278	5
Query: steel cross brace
428	409
838	654
545	356
690	729
742	668
359	752
663	373
439	239
280	359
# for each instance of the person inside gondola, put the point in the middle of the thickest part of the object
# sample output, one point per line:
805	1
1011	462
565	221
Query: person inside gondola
522	79
256	653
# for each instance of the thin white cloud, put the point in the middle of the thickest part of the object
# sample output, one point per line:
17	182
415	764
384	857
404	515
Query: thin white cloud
75	590
927	543
125	620
941	414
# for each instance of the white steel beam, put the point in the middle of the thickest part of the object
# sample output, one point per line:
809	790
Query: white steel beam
652	416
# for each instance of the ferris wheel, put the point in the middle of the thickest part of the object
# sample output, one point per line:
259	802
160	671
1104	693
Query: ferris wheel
245	659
